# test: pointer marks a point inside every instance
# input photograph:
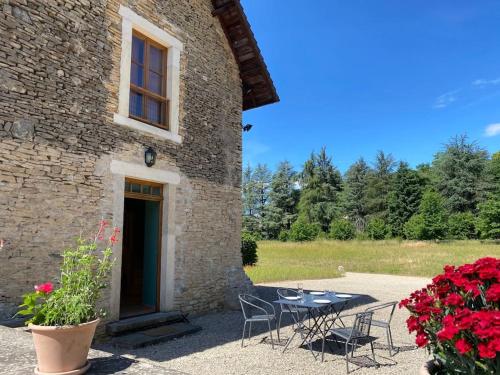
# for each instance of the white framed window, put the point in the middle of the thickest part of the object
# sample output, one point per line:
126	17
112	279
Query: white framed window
148	98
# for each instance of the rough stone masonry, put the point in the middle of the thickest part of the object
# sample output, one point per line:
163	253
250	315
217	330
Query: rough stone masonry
59	78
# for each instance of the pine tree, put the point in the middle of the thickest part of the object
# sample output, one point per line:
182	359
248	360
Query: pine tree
281	211
379	182
321	184
261	178
492	183
404	197
355	185
460	173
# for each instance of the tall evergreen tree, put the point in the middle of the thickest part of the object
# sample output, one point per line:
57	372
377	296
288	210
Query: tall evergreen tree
261	178
404	198
460	173
281	211
249	197
379	182
493	175
321	184
355	185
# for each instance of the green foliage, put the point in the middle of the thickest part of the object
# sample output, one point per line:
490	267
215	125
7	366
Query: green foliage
404	197
492	184
379	184
283	236
302	230
413	228
356	182
489	218
376	229
321	184
431	222
342	229
84	274
248	249
460	171
281	211
462	226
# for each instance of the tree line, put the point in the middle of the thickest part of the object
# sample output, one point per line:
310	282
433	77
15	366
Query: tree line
456	196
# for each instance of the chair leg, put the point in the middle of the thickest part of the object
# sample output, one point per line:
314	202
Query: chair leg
389	344
270	333
323	348
243	335
392	342
250	330
373	351
278	325
278	331
347	356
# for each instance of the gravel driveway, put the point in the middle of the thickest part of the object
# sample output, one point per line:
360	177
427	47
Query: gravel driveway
216	349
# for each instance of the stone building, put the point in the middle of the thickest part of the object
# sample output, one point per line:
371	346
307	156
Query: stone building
87	86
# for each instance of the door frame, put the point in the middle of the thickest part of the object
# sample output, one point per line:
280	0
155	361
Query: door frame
170	180
153	198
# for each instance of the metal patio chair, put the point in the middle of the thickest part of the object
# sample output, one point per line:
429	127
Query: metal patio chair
350	335
384	323
257	310
295	310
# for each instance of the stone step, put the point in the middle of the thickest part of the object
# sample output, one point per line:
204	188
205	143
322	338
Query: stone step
154	336
142	322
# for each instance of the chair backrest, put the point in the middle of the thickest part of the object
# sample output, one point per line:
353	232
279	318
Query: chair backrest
287	292
389	306
362	324
251	303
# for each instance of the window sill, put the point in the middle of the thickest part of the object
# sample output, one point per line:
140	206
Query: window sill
146	128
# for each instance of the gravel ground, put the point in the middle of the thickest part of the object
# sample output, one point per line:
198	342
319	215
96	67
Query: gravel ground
216	349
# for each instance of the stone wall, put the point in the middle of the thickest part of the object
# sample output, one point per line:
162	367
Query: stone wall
59	77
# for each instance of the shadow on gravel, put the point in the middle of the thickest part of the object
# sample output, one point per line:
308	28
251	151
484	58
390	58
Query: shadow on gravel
218	329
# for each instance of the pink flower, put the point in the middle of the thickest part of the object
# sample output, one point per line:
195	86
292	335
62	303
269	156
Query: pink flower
463	346
44	288
114	237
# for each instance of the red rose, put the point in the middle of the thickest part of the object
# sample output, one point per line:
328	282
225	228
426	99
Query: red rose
485	351
454	299
412	323
44	288
463	346
493	293
447	333
421	340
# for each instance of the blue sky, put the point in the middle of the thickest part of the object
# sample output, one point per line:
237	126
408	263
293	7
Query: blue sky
360	76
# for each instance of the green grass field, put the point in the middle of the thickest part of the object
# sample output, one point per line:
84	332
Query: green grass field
280	261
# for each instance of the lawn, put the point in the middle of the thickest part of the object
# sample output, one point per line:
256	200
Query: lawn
279	261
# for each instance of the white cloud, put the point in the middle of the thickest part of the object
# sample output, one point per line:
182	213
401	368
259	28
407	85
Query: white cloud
443	101
486	82
492	130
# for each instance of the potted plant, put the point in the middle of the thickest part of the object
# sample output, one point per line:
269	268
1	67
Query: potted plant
63	319
457	319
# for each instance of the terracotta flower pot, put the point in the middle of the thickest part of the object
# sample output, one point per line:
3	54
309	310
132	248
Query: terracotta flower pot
63	350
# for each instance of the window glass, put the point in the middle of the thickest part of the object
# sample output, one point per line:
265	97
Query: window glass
154	82
155	59
137	50
135	104
154	110
137	75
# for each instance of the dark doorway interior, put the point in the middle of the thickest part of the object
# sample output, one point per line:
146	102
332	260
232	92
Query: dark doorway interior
139	279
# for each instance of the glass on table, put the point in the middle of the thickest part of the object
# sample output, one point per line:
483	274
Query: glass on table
300	290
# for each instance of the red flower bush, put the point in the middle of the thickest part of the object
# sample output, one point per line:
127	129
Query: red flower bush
457	317
44	288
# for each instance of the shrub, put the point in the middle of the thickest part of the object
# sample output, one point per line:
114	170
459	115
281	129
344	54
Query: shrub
248	249
489	218
342	229
462	226
456	317
84	274
376	229
283	236
301	230
414	227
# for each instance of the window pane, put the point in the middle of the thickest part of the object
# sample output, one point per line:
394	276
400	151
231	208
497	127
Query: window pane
136	188
156	190
155	57
154	110
127	186
154	82
137	75
135	107
137	50
146	189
